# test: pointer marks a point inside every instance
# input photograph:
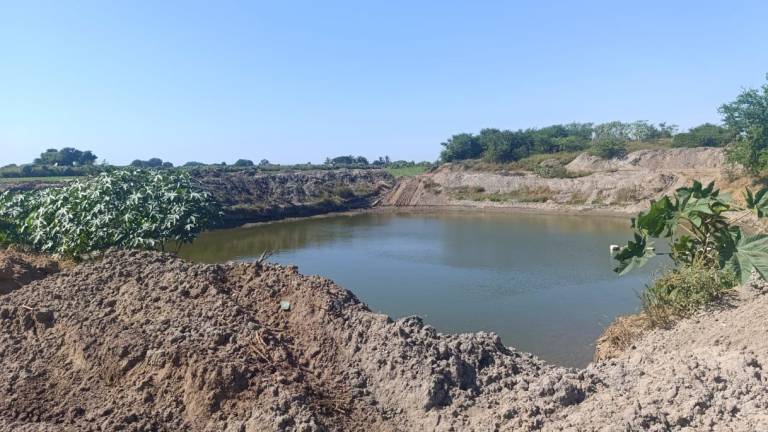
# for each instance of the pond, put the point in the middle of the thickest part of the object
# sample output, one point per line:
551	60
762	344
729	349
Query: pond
544	283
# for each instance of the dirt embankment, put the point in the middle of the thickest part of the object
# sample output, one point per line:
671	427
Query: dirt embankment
619	185
253	196
144	341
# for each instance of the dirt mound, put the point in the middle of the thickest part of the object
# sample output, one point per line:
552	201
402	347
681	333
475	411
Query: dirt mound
18	269
668	159
707	373
144	341
617	185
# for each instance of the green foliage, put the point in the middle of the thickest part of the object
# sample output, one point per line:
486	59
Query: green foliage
151	163
706	135
460	147
503	146
608	148
124	209
683	290
67	156
244	163
747	117
699	232
344	161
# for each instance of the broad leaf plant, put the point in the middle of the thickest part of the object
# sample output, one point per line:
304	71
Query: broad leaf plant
696	222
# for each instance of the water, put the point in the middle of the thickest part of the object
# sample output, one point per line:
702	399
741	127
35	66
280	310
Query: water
544	283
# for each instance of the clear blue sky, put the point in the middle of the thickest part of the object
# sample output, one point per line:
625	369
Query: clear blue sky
295	81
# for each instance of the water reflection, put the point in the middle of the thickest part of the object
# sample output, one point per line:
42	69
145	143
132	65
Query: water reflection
543	282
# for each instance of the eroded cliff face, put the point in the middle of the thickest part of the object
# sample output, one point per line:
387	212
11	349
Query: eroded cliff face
253	196
618	185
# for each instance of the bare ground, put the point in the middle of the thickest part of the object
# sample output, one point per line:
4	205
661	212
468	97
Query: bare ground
622	185
144	341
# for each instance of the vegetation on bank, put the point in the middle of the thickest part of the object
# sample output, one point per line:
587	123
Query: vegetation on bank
744	135
125	209
710	253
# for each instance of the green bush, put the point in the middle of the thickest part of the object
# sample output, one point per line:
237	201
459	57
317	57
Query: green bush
609	148
124	209
683	290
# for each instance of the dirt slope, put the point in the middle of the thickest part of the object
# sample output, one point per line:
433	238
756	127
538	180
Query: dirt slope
256	196
617	185
143	341
18	269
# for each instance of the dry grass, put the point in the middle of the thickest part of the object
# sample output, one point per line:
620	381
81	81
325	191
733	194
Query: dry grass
620	335
626	195
524	194
578	198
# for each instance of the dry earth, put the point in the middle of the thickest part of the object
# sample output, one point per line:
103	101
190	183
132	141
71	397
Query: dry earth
144	341
617	185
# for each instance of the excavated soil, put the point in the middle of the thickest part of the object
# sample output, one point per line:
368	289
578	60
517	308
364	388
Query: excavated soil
18	269
623	185
144	341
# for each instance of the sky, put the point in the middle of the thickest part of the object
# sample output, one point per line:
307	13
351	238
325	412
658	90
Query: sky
298	81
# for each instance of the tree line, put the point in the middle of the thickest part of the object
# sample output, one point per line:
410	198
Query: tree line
605	140
743	133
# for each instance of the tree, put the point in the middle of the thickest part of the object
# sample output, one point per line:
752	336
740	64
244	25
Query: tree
747	117
151	163
67	156
194	164
263	162
504	146
243	163
608	148
706	135
460	147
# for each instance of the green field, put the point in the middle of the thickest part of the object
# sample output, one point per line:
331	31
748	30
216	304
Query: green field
407	171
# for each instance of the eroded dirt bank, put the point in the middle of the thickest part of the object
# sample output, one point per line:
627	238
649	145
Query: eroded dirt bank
253	196
618	185
145	341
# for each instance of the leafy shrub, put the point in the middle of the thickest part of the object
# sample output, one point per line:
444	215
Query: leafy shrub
683	290
699	232
706	135
609	148
124	209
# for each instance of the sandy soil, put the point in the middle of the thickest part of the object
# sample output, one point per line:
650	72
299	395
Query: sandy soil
615	186
144	341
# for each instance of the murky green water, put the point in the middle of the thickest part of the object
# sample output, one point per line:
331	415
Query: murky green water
542	282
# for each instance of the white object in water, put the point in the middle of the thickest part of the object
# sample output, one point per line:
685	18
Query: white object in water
614	248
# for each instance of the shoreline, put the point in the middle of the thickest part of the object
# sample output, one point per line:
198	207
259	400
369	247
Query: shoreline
520	208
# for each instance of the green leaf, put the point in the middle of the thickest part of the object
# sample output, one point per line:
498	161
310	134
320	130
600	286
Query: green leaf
757	202
634	255
750	252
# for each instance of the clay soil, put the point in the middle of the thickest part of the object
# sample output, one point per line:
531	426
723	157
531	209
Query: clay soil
142	341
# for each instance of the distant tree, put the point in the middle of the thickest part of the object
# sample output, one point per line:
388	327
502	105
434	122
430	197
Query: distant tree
155	163
194	164
67	156
263	162
608	148
667	131
706	135
167	165
151	163
504	146
244	163
460	147
360	160
747	118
